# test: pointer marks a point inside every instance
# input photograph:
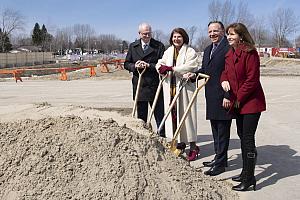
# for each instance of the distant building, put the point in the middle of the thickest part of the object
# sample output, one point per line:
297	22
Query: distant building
27	48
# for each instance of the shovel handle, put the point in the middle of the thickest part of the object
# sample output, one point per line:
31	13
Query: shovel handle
182	120
137	91
183	82
156	97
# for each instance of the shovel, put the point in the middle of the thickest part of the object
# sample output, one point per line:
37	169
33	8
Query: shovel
137	91
172	145
182	83
148	124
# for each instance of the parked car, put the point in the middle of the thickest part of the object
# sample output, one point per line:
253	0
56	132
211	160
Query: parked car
291	55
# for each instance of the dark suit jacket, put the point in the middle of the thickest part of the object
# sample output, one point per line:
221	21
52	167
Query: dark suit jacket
214	92
150	78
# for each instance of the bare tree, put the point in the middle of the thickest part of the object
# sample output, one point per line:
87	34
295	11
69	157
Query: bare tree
227	13
10	20
214	9
83	34
22	40
243	15
203	40
63	39
259	32
191	31
283	22
160	36
297	41
223	12
108	42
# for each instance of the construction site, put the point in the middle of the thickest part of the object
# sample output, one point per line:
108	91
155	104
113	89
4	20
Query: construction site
66	132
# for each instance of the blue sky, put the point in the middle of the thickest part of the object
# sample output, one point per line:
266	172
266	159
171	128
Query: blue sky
121	17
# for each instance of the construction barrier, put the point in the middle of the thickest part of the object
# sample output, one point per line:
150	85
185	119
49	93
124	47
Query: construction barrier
15	72
63	71
119	64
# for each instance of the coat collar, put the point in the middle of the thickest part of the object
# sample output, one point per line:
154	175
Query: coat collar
221	45
237	52
181	58
181	54
138	45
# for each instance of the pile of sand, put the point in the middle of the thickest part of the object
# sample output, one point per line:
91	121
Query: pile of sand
70	157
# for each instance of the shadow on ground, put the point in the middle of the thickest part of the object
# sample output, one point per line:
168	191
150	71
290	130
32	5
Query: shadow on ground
274	162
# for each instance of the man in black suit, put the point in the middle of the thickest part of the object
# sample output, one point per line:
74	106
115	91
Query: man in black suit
213	64
144	53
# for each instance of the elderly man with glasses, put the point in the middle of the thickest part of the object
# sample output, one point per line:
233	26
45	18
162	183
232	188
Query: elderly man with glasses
144	53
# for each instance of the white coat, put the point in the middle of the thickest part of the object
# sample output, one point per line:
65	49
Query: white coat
187	61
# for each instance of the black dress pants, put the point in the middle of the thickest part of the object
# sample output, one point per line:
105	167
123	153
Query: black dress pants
221	135
246	127
142	112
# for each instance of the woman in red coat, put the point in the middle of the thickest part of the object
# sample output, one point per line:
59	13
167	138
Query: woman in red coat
247	100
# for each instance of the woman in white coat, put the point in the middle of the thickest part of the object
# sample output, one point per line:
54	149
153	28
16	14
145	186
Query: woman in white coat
179	59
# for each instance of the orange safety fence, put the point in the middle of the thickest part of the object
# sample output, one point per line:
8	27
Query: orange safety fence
63	71
119	64
15	72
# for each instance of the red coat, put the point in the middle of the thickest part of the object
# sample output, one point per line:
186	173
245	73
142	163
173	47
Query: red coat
243	73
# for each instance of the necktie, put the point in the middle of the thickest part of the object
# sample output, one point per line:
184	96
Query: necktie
213	49
145	47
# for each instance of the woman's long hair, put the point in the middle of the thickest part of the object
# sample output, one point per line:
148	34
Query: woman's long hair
182	32
243	32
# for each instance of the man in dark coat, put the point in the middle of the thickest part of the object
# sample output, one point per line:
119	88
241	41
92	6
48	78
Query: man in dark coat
213	64
144	53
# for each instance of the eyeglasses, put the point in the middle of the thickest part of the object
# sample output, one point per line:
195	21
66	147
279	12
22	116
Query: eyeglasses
146	33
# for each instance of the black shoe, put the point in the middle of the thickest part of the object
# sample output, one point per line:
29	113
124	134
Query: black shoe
214	171
245	185
181	146
238	178
209	163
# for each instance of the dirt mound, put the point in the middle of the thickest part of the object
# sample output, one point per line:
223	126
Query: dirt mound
279	61
75	158
280	67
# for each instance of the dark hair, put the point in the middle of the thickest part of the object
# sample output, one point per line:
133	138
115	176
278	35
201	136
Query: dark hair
243	32
182	32
216	22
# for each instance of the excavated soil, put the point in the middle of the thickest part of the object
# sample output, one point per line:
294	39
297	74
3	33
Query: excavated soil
72	157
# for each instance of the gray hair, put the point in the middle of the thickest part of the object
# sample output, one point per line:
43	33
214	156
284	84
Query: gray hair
144	25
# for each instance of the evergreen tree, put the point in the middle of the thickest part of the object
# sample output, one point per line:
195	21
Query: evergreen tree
41	37
37	35
44	32
46	38
124	46
5	45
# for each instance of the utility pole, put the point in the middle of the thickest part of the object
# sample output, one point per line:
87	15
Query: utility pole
295	39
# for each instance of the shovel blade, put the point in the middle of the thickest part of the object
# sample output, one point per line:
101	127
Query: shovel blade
148	126
173	148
